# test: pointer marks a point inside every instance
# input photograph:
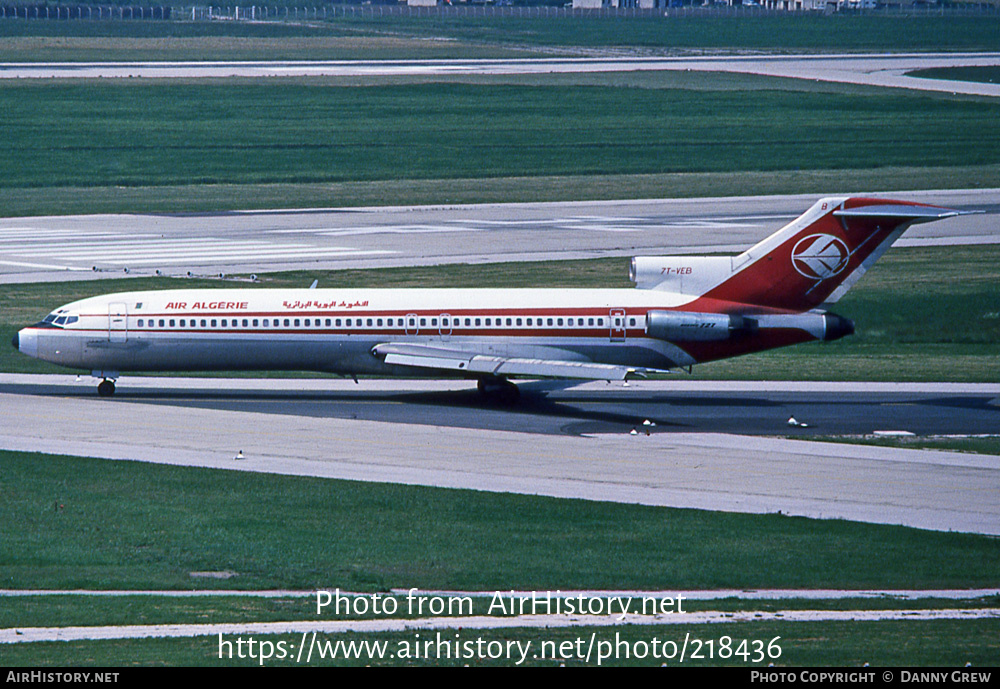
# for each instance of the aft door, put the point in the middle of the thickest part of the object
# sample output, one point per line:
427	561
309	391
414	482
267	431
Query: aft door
117	323
445	328
617	321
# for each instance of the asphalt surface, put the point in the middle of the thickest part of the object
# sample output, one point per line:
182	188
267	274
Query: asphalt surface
37	249
565	409
576	448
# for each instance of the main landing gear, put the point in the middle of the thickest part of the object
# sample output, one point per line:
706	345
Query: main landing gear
501	390
106	388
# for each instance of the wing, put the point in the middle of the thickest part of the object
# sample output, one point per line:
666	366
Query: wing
465	361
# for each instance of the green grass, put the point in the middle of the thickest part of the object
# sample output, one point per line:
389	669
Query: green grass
799	32
951	643
222	197
438	36
983	446
109	134
137	525
922	313
986	75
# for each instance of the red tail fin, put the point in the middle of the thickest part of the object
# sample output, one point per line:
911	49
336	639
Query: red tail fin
819	256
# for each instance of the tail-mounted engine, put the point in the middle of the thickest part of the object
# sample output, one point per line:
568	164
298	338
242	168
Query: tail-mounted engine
687	326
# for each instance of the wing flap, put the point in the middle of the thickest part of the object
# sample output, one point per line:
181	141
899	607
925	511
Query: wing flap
425	356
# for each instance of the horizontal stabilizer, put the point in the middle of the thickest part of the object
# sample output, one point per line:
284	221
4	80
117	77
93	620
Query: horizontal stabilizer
915	214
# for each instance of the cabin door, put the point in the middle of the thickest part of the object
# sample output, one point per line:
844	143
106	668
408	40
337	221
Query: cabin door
617	318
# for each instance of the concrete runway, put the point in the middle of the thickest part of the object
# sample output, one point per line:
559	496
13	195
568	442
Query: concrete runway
574	446
70	247
871	69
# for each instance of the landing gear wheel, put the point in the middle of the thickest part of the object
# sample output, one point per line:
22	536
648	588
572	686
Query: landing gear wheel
499	390
106	388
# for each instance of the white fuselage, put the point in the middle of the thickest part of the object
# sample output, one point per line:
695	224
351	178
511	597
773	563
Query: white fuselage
335	329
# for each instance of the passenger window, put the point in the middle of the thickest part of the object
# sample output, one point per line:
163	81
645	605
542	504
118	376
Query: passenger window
590	321
296	322
529	321
468	322
488	322
444	322
254	322
559	322
519	321
203	322
328	322
423	321
510	322
337	322
631	322
161	322
182	322
245	323
267	322
225	323
550	321
379	322
213	322
478	322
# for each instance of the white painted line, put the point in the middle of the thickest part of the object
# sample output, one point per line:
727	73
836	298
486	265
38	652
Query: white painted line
36	634
47	266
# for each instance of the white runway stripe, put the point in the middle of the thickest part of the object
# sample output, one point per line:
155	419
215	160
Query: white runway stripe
248	258
73	250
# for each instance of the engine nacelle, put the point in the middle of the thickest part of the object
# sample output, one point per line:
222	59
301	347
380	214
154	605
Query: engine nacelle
685	326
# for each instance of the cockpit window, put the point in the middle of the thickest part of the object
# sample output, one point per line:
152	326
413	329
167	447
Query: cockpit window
72	319
60	320
51	317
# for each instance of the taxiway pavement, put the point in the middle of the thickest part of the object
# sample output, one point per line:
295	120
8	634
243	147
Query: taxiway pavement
35	249
873	69
715	471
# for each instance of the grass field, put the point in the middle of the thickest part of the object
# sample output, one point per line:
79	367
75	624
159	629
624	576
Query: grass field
985	446
987	75
922	314
146	526
127	134
400	37
941	643
125	146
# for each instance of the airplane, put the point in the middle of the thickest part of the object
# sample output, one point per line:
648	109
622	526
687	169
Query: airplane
684	310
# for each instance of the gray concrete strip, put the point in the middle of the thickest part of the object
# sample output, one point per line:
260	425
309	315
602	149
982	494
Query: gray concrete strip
393	385
86	247
921	488
873	69
477	622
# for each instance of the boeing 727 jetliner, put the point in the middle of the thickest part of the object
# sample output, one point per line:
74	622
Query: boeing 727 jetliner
685	310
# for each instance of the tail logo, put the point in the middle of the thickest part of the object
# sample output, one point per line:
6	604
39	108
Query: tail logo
820	256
